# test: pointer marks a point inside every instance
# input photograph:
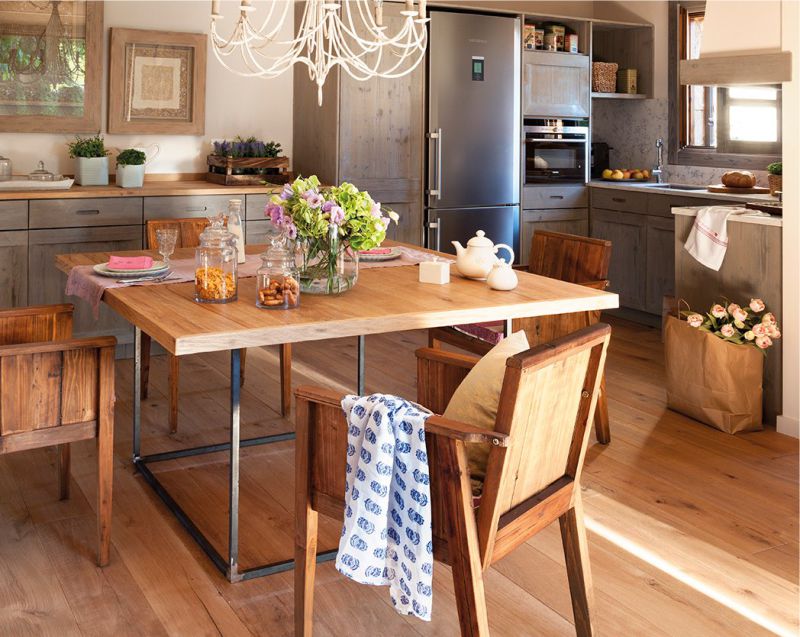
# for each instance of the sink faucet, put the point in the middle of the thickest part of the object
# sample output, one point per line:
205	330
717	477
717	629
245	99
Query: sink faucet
658	171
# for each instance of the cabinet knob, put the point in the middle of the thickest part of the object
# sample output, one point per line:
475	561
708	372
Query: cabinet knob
556	196
87	212
618	199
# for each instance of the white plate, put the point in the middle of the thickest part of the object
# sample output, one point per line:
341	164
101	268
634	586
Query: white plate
394	253
102	270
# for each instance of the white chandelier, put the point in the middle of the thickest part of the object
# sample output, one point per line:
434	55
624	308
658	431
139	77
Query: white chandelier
347	33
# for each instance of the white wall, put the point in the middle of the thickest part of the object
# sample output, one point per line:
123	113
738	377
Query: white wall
234	105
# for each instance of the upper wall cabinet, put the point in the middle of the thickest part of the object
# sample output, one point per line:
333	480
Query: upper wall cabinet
630	46
555	84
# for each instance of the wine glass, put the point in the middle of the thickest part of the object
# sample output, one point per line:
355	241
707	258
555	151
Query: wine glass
166	238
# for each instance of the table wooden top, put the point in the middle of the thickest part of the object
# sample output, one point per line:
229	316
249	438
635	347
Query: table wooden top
387	299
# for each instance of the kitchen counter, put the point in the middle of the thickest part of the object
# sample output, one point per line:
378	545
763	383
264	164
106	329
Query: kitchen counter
648	186
753	217
150	189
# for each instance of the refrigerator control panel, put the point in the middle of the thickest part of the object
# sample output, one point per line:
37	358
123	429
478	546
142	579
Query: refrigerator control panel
478	65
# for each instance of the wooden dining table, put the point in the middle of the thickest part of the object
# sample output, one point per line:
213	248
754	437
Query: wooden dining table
384	300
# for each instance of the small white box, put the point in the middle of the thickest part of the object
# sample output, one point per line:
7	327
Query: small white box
434	272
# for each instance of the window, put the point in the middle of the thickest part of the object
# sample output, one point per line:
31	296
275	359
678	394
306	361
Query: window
710	126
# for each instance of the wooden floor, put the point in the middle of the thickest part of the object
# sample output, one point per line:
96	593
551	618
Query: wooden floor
691	531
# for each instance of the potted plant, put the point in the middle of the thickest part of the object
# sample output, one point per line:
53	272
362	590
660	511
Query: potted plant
92	160
775	177
130	168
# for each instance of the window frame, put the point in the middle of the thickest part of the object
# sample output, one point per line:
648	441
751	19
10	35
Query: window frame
677	153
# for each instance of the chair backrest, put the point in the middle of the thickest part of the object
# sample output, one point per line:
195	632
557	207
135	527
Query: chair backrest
569	257
36	324
189	231
546	407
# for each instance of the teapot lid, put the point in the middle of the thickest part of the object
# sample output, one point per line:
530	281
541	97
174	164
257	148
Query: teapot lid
480	240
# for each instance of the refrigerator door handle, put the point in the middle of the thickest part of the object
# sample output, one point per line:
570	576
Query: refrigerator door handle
434	225
437	165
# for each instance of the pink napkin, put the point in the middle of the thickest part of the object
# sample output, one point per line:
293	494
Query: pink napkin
377	251
130	263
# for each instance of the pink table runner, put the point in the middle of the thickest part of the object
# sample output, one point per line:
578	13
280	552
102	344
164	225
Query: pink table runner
85	284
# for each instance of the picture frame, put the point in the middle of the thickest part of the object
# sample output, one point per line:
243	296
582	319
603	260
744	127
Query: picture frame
65	97
156	82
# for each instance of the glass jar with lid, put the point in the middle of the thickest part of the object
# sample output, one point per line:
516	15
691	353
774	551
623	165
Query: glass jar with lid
215	278
278	278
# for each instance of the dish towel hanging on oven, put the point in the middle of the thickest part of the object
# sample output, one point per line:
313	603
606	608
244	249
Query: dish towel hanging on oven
708	239
387	537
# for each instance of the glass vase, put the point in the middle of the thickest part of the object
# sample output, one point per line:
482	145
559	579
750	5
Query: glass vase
330	266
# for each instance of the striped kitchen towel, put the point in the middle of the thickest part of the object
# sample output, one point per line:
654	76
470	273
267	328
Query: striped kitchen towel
708	239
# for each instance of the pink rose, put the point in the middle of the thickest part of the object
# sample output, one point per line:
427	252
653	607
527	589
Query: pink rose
768	319
763	342
731	307
749	336
727	330
739	314
773	331
759	329
757	305
695	320
718	311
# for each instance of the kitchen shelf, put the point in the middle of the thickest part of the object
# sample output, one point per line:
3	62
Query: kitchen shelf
620	96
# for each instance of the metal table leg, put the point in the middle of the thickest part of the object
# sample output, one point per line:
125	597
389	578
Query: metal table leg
137	393
233	485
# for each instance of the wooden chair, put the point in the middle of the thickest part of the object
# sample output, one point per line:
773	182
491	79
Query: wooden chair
532	479
55	390
567	257
189	231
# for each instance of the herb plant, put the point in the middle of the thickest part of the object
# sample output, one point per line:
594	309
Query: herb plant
131	157
87	147
247	147
775	168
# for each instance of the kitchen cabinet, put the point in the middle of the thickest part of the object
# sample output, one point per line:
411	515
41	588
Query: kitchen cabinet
72	213
545	197
555	84
46	283
627	232
13	268
187	206
368	133
659	262
568	220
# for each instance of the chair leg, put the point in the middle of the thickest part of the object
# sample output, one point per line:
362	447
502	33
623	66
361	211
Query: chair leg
242	359
145	365
463	543
601	425
174	369
306	519
286	378
63	463
573	537
105	455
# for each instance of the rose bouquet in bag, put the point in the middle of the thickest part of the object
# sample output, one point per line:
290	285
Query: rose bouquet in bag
715	364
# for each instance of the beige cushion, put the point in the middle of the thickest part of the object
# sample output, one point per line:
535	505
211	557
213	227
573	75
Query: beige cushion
477	397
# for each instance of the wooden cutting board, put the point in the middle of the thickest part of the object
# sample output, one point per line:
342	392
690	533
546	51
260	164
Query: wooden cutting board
755	190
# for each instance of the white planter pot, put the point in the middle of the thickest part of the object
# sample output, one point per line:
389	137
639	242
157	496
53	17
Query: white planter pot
92	171
130	176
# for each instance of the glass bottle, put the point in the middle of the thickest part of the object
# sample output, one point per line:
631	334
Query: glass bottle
236	227
215	279
278	278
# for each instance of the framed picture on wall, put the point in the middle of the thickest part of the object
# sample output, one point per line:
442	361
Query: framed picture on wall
156	82
51	64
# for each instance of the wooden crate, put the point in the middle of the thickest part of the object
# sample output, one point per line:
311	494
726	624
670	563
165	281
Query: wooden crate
280	176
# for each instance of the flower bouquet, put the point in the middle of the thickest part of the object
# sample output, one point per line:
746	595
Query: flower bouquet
715	364
330	225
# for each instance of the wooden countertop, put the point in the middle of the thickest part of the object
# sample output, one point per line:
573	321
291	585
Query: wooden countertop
150	189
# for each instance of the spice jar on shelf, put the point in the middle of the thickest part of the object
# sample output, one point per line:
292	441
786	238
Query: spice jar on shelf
215	279
278	278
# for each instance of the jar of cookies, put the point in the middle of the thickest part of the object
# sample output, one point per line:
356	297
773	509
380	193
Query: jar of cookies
215	279
278	278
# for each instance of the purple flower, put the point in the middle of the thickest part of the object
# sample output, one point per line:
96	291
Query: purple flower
375	210
275	212
287	192
337	215
315	200
291	229
326	207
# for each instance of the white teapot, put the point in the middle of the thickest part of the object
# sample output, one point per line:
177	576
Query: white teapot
502	277
477	259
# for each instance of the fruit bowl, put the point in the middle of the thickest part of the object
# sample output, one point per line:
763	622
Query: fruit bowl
626	174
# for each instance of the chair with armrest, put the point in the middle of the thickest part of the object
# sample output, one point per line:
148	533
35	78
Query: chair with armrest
536	454
55	390
189	231
567	257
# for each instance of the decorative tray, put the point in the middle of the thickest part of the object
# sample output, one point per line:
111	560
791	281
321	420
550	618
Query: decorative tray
32	184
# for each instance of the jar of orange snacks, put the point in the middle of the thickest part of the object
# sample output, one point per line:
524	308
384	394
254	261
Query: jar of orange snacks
215	276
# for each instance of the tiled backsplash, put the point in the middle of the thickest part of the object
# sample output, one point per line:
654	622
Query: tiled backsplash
631	128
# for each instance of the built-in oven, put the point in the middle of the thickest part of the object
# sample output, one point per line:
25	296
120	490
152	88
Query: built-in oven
556	151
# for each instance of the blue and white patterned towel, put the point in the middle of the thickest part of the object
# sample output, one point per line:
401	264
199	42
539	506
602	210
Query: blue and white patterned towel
387	538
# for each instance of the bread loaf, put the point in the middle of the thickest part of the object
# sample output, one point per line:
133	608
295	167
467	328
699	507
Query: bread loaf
739	179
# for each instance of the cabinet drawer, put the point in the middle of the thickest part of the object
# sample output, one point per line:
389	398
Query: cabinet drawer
78	213
661	205
539	197
254	207
14	215
622	200
256	231
187	206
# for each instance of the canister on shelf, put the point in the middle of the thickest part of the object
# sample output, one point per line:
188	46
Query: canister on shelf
539	38
559	31
627	81
550	42
572	43
529	38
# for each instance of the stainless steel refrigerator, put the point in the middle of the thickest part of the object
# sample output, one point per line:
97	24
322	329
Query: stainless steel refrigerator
473	140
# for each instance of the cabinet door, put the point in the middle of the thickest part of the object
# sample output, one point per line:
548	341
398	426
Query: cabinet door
660	262
628	236
13	269
568	220
47	284
555	84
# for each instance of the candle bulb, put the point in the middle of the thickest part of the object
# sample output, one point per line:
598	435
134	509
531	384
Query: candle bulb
214	7
422	10
379	13
409	5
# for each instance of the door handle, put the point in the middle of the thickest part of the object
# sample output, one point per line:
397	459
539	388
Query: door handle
556	196
437	165
197	209
618	199
437	234
87	212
